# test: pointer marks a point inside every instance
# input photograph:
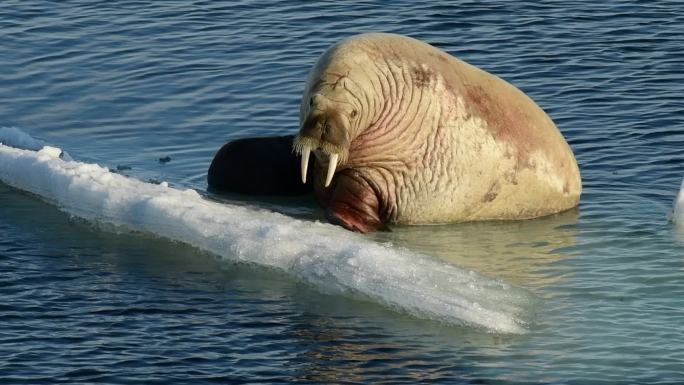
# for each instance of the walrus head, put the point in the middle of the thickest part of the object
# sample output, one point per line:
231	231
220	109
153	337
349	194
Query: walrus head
329	119
338	107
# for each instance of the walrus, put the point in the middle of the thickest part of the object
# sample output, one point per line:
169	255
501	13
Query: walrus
404	133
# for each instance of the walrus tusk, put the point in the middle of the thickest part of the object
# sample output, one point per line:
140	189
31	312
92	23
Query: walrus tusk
306	150
332	165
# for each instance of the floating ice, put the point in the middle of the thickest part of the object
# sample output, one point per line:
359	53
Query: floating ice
14	137
678	208
326	256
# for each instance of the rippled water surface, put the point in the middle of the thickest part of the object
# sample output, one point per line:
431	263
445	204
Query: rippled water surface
125	83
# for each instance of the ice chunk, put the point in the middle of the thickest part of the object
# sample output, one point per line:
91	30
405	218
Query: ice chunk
14	137
678	208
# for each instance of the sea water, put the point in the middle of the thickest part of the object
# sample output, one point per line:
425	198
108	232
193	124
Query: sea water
127	85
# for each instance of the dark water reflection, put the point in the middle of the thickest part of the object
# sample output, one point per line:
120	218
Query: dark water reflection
124	83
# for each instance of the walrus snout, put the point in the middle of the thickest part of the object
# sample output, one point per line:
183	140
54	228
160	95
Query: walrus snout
328	127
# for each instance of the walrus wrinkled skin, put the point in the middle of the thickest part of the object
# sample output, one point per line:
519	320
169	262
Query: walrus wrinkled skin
403	133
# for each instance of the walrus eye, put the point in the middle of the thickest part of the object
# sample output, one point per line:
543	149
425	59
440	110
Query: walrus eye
353	113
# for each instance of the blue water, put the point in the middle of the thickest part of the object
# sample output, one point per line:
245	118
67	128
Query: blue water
125	83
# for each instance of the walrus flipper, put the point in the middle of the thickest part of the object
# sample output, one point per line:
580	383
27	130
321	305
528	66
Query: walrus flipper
257	166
